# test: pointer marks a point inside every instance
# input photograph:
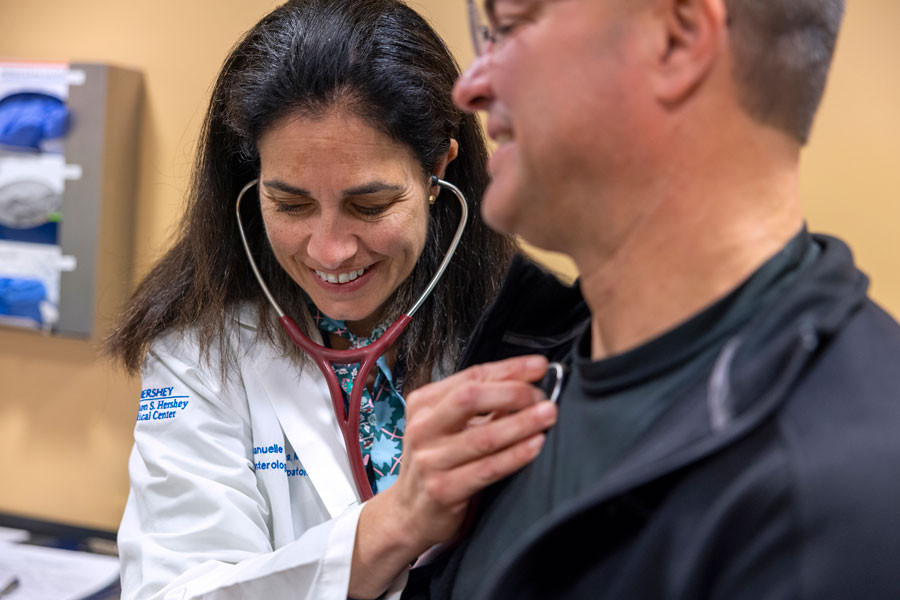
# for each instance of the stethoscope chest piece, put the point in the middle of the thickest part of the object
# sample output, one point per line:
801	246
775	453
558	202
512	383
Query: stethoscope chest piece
553	380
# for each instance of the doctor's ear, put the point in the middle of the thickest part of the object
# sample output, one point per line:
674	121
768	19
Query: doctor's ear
690	38
441	167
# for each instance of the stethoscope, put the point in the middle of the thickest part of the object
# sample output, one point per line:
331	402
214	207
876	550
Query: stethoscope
367	356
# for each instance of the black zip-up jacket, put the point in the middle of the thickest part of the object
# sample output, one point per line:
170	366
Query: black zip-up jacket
777	476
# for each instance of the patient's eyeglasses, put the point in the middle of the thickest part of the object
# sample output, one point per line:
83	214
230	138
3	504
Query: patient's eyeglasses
483	34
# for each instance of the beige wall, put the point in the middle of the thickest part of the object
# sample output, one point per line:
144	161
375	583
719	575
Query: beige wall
66	416
851	171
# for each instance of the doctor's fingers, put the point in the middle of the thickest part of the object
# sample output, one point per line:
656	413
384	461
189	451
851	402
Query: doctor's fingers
520	368
455	410
478	442
464	481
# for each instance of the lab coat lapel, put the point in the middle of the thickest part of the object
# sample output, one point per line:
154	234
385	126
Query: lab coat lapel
303	407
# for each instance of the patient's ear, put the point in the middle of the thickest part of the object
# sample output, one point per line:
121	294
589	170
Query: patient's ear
692	37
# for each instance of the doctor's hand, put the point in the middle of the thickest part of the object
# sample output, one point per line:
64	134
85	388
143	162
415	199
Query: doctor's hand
462	434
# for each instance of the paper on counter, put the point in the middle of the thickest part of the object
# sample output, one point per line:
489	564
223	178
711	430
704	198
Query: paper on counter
54	574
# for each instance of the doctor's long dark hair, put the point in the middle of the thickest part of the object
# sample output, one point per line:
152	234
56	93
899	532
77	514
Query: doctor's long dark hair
382	61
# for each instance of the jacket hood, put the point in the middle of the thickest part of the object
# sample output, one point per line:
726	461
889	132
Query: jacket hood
776	344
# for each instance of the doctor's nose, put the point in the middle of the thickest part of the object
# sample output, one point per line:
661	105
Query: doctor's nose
331	243
472	90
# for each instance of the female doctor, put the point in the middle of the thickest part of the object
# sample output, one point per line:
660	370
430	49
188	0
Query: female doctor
240	482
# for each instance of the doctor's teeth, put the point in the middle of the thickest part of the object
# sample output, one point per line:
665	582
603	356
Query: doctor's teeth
339	277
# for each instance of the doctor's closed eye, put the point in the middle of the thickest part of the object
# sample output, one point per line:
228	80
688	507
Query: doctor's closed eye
303	207
293	207
371	210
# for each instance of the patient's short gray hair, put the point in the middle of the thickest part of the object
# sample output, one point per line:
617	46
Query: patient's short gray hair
783	51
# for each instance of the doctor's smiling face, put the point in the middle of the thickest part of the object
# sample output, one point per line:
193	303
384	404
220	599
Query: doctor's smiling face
345	209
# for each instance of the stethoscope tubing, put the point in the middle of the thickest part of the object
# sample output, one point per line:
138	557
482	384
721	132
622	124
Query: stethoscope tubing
348	420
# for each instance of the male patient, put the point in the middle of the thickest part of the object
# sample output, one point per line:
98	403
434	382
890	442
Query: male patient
730	422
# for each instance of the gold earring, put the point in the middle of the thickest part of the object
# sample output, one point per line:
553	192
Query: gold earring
431	199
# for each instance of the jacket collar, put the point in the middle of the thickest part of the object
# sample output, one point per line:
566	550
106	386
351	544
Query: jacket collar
754	372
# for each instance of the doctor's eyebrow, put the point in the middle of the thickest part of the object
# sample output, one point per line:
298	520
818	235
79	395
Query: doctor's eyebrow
373	187
281	186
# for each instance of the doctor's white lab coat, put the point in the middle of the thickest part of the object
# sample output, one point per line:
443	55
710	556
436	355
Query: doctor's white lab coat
240	487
